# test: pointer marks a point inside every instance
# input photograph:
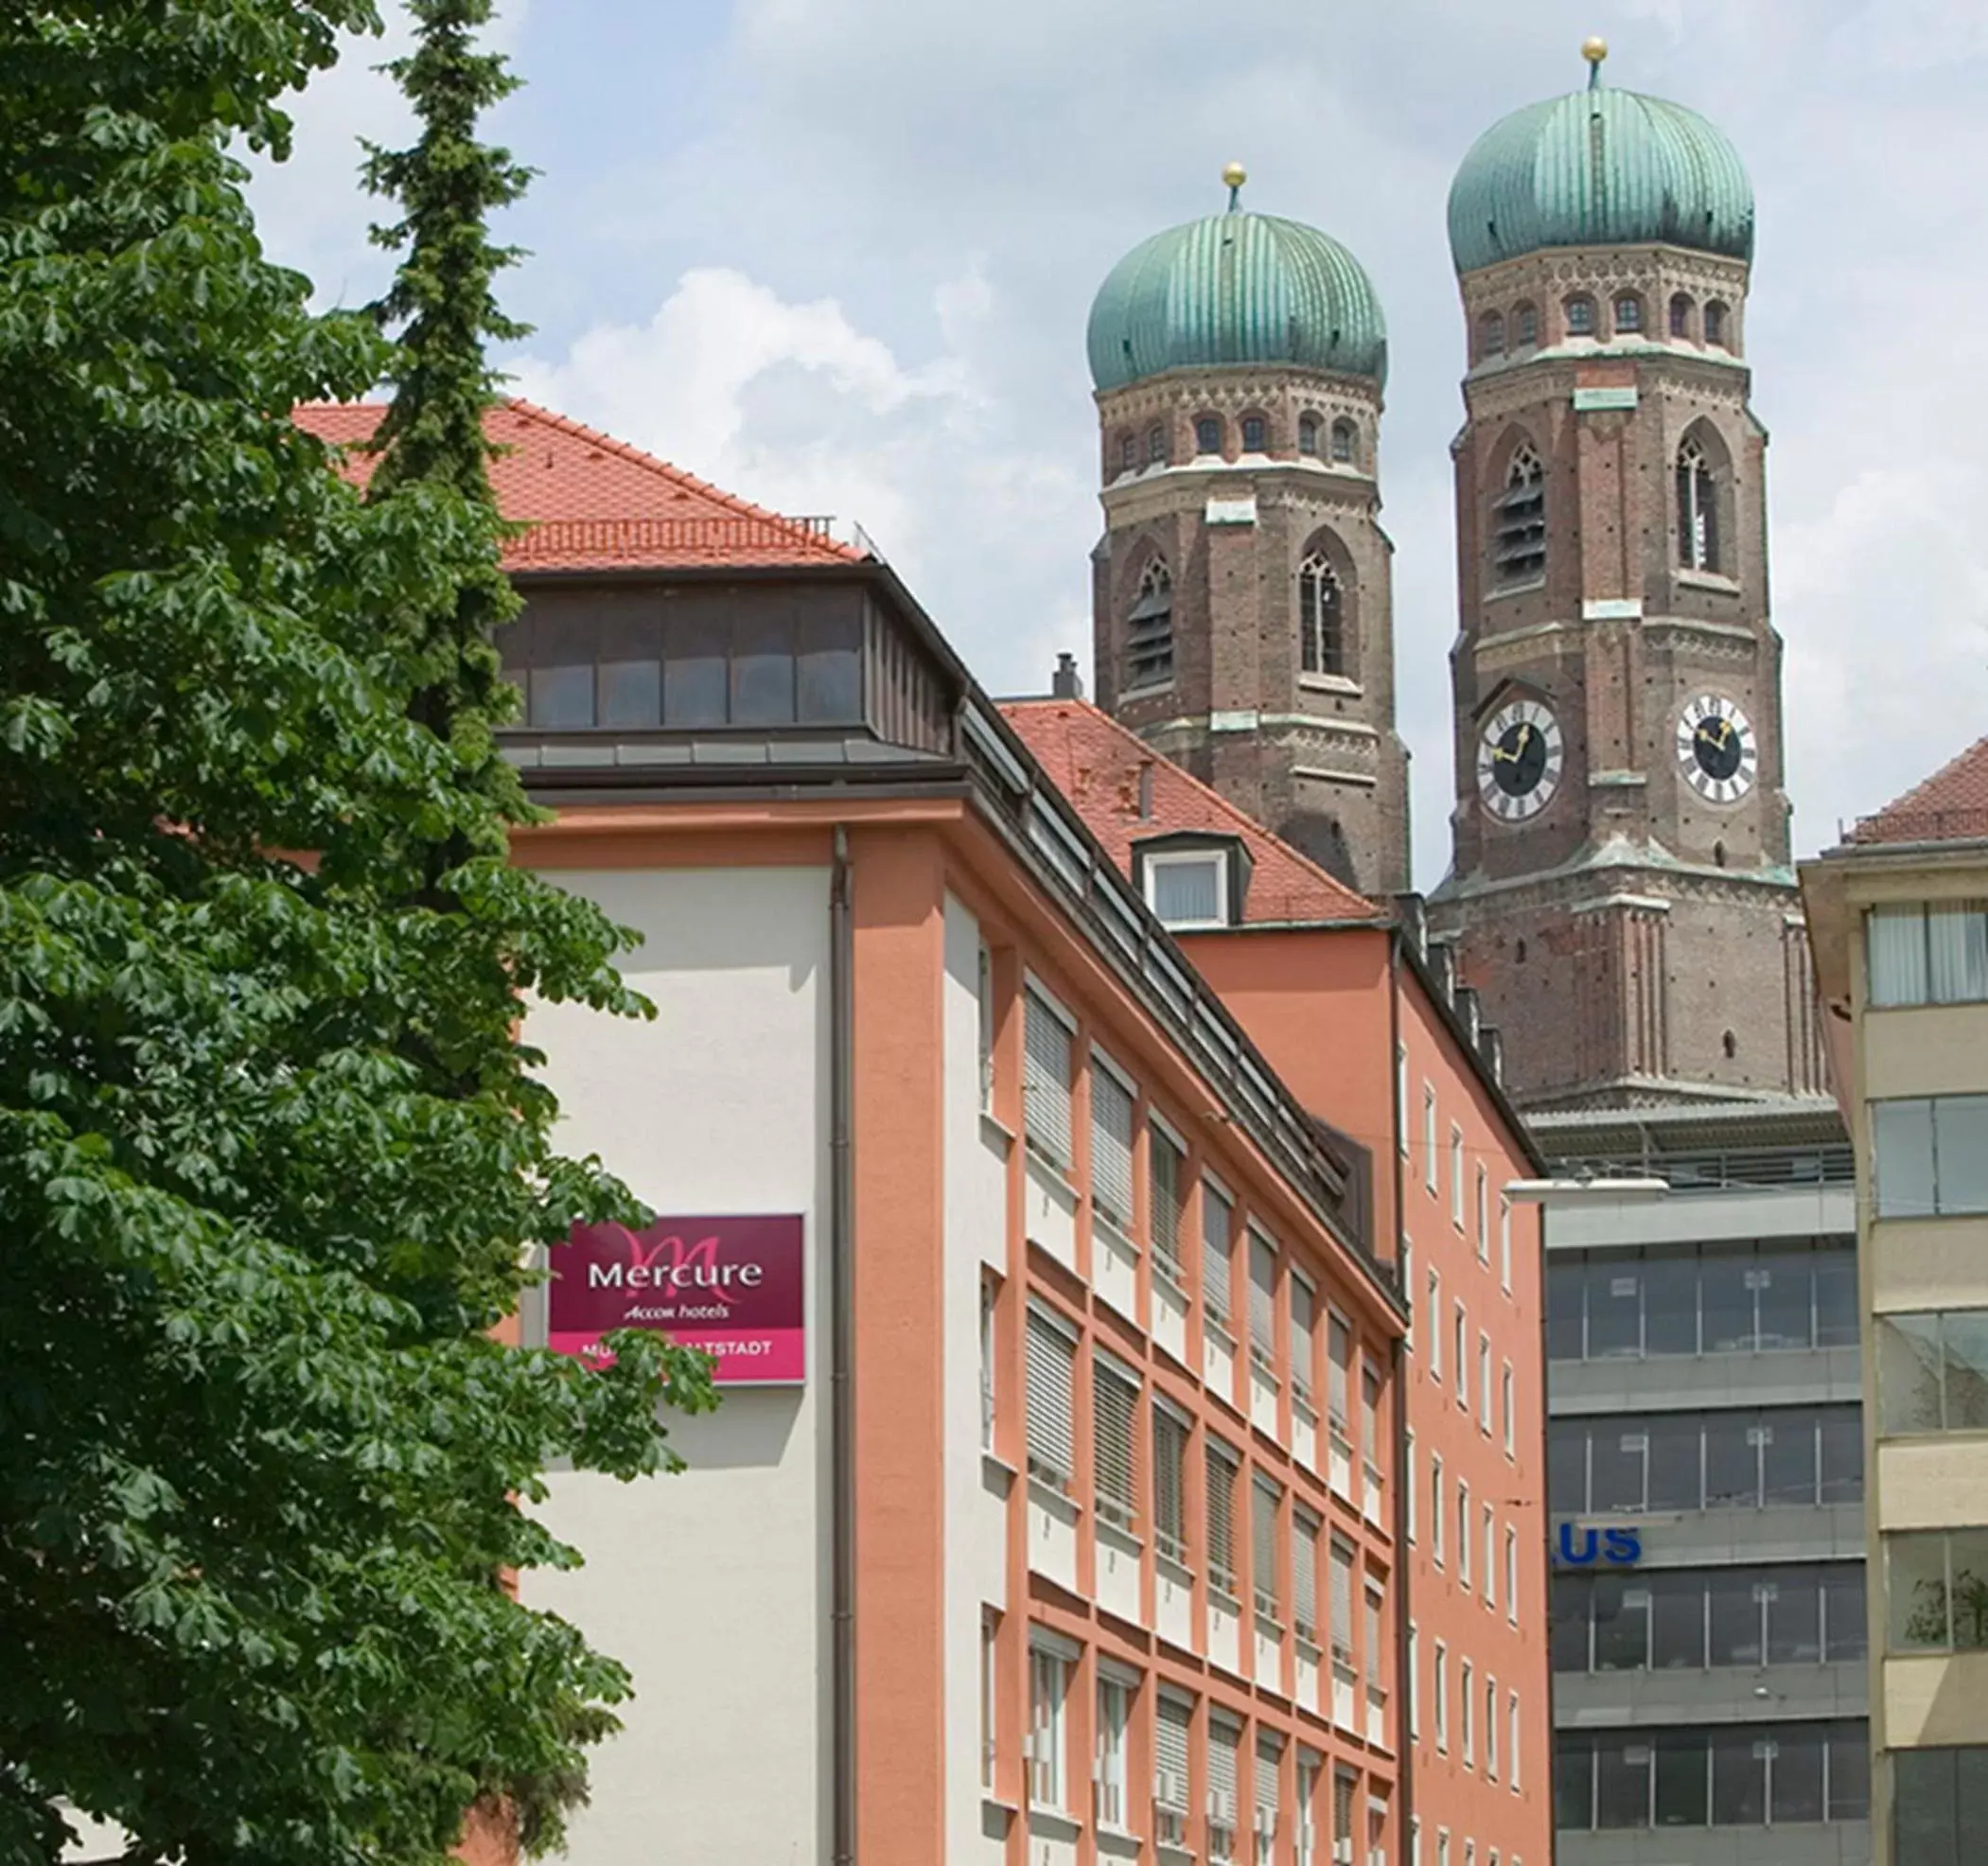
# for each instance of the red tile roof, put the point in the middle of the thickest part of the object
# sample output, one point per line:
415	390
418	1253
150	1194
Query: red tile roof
1096	763
1950	806
594	503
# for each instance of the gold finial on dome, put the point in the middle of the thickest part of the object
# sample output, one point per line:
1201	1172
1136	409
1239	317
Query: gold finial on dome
1233	176
1594	48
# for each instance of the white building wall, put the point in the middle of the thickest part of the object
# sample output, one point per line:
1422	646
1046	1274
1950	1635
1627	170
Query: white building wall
712	1586
975	1510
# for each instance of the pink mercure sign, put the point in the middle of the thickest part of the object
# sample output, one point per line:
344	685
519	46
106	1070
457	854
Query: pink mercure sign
732	1286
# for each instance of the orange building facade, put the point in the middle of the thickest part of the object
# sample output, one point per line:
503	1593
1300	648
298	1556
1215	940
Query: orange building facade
1090	1523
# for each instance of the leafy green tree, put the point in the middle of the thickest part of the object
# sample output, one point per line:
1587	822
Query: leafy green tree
272	1155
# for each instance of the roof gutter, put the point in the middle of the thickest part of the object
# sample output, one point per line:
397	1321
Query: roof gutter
1404	1594
841	1248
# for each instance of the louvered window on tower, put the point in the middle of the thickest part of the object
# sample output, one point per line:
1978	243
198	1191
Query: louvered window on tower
1264	1501
1111	1145
1165	1166
1697	509
1518	521
1046	1082
1115	1408
1223	1739
1051	1361
1217	1219
1221	1518
1262	1302
1304	1574
1321	612
1149	637
1170	1505
1169	1769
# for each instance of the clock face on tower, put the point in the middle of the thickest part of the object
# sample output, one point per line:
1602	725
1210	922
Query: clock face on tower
1519	759
1716	748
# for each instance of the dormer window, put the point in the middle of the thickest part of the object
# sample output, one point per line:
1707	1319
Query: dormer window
1193	879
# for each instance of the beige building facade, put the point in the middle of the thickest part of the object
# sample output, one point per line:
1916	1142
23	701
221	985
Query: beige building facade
1898	916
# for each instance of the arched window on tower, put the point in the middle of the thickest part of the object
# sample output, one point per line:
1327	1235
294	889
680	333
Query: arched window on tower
1681	314
1255	435
1581	315
1308	434
1346	442
1525	326
1629	314
1128	451
1149	635
1321	617
1155	446
1207	435
1491	334
1518	521
1715	324
1699	539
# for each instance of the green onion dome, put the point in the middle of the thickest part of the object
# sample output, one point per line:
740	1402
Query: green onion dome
1235	289
1599	168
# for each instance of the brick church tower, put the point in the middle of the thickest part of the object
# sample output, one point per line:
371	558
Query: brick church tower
1620	892
1241	590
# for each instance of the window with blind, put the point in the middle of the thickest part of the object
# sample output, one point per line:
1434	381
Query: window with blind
987	1358
1376	1613
1370	1417
1456	1175
1491	1555
1170	1768
1045	1080
1265	1500
1222	1741
1467	1712
1484	1382
1463	1533
1262	1301
1221	1517
1047	1681
1460	1345
1342	1602
1439	1691
1429	1135
1270	1762
1304	1573
1437	1504
985	1002
1511	1575
1169	1457
1505	1409
1435	1325
1511	1747
1339	1360
1490	1728
1304	1323
1111	1144
1115	1408
1928	954
1346	1791
1165	1176
1217	1216
1308	1772
1051	1358
1484	1215
1114	1713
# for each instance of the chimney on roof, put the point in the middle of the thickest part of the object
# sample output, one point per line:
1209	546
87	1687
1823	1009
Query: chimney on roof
1066	683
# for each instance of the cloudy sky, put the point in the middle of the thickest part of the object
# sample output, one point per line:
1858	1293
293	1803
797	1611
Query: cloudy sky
837	255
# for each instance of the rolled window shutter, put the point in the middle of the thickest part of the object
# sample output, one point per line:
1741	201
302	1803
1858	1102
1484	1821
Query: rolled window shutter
1216	1222
1164	1166
1339	1352
1222	1771
1342	1601
1304	1571
1269	1759
1115	1404
1264	1500
1051	1358
1262	1295
1221	1522
1046	1080
1304	1323
1170	1515
1111	1145
1170	1754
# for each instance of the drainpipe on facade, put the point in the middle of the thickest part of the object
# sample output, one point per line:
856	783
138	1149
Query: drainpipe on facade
841	968
1404	1657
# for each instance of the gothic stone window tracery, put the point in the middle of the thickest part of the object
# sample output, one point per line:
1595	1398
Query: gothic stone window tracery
1321	610
1697	509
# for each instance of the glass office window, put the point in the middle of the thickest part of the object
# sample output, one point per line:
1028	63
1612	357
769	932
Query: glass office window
1682	1797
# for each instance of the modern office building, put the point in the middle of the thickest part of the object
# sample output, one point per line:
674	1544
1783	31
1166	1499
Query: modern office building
1706	1476
1050	1515
1366	1024
1898	915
